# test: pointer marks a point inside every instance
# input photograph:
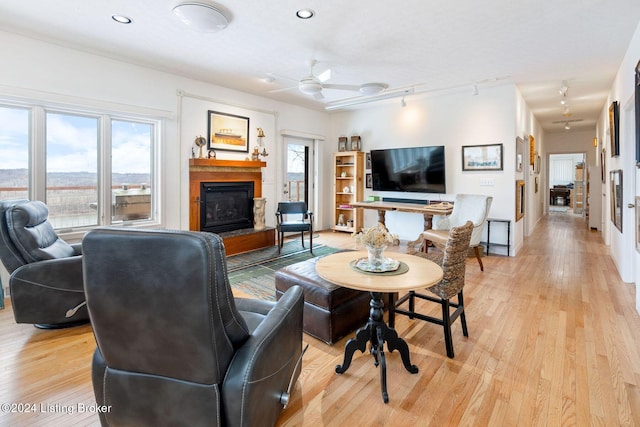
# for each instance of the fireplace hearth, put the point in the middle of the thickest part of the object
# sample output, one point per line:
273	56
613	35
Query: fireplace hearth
226	206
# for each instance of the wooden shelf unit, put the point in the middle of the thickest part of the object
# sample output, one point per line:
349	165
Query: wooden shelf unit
348	171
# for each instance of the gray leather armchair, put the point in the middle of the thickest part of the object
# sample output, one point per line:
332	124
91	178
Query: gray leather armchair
174	346
46	272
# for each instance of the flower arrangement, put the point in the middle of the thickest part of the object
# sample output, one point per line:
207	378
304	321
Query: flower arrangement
375	237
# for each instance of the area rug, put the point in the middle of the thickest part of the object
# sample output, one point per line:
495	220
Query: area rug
558	209
253	272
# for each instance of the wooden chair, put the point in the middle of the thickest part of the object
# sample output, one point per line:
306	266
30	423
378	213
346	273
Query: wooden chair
293	217
453	263
466	207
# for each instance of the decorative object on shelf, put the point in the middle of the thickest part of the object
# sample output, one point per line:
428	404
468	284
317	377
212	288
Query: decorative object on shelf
342	143
349	223
260	138
228	132
200	142
614	126
375	239
355	143
519	154
343	175
482	157
341	222
346	190
258	212
211	154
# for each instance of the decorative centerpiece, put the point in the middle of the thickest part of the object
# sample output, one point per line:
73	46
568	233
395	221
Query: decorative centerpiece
375	240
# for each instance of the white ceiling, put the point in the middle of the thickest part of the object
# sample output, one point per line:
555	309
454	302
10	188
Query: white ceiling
426	44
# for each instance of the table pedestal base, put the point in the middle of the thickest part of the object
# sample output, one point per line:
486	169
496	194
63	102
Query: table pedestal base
377	332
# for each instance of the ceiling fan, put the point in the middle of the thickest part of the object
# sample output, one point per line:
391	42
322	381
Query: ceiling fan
313	85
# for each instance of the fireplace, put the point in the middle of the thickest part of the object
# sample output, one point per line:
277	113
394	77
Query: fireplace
226	206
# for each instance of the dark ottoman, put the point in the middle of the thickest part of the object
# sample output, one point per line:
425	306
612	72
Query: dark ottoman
330	311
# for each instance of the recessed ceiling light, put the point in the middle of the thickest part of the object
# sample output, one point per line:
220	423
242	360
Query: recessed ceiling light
305	13
122	19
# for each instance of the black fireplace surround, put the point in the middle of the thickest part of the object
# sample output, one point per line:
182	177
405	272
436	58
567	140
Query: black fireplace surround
226	206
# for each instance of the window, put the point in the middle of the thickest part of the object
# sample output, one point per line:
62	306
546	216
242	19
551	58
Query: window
14	153
90	167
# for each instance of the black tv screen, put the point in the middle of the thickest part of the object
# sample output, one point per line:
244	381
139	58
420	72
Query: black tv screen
413	169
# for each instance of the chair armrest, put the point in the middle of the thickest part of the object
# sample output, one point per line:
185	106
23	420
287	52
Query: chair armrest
60	273
265	364
77	248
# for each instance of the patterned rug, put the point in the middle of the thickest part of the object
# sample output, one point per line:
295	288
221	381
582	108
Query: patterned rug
253	272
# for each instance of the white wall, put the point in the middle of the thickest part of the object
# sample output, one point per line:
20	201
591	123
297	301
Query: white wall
452	120
623	251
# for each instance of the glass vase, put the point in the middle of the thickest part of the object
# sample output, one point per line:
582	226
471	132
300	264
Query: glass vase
376	255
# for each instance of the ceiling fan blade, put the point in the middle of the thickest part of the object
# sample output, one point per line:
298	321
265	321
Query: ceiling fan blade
325	75
341	87
284	89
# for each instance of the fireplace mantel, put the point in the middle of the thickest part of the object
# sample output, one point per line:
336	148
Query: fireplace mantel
231	165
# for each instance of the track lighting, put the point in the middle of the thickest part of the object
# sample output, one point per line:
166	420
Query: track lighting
566	126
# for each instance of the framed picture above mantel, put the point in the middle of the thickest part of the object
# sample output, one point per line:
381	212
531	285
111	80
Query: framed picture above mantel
228	132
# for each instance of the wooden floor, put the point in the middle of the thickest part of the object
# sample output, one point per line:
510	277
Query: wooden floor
554	341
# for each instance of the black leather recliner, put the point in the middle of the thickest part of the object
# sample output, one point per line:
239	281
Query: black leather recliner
46	272
174	346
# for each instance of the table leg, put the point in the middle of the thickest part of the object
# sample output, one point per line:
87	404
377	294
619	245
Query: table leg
377	332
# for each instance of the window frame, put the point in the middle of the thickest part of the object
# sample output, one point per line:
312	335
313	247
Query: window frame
37	145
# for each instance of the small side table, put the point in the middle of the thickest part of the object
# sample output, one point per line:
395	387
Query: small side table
508	244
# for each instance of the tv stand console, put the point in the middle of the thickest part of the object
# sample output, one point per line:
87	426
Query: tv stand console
427	211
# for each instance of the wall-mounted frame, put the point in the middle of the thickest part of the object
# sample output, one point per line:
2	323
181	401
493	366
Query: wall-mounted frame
519	154
603	171
369	180
536	165
520	196
228	132
367	163
482	157
638	115
616	198
638	223
614	128
532	149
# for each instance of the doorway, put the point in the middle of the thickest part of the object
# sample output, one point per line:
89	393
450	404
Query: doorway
567	184
298	176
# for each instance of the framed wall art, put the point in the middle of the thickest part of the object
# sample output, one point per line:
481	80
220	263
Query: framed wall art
616	198
228	132
614	128
603	168
367	163
638	115
638	223
482	157
519	154
369	180
519	199
532	149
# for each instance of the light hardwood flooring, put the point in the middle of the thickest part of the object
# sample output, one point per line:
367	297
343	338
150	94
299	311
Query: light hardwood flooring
554	340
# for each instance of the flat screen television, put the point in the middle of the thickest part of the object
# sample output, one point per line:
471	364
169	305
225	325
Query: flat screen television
412	169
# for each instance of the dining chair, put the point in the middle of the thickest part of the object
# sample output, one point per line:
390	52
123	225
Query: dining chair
293	217
466	207
453	263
